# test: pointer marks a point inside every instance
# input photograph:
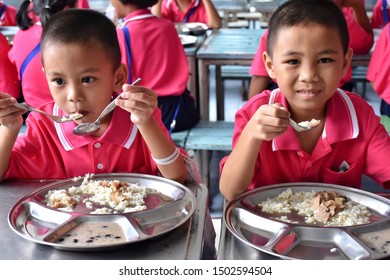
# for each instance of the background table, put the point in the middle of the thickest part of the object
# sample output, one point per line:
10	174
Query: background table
185	242
223	47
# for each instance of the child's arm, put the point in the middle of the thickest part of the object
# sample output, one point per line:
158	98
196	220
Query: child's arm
257	85
141	102
10	123
268	122
156	9
213	18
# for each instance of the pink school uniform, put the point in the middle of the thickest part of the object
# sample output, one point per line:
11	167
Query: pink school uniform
65	155
34	84
378	70
9	81
7	15
380	14
82	4
157	55
195	13
352	133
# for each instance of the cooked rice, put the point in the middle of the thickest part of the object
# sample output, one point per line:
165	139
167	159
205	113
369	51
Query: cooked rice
302	203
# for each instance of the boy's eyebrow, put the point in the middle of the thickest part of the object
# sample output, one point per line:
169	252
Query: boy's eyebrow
322	52
85	71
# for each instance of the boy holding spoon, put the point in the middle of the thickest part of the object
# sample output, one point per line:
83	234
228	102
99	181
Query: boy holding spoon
81	59
307	54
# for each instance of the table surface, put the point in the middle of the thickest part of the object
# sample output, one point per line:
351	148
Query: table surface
185	242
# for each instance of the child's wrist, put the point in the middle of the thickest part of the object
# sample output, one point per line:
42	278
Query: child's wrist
169	159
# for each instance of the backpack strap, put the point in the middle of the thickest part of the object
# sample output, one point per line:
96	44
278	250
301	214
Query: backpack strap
30	56
129	53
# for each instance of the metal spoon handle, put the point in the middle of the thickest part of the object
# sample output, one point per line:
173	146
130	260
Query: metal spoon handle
112	105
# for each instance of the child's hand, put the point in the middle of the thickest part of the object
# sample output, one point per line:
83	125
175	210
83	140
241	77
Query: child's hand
269	121
139	101
10	116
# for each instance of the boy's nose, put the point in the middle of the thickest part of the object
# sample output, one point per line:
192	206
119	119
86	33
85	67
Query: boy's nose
308	73
74	94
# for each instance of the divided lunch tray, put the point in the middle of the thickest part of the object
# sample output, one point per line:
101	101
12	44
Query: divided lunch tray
286	240
81	231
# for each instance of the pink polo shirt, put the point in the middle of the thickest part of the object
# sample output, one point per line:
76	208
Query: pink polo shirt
9	81
158	56
171	11
34	84
352	133
377	20
8	18
378	71
51	150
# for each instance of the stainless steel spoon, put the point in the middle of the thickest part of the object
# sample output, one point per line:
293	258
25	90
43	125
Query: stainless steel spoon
89	128
58	119
303	126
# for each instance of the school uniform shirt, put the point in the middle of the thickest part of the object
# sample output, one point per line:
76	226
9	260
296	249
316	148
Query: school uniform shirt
377	19
82	4
9	81
8	16
171	11
34	84
51	150
378	71
352	133
157	55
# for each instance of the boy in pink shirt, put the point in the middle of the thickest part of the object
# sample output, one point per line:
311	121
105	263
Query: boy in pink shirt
151	48
188	11
380	14
25	53
358	24
307	54
378	73
9	81
131	139
7	14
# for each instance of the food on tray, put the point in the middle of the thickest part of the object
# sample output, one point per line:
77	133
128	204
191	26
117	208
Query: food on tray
324	208
101	196
310	123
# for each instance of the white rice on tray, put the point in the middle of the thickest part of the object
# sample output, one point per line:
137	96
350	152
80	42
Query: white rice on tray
99	198
302	203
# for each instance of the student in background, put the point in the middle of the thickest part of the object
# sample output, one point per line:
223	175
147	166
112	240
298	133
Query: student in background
361	41
307	54
7	14
25	52
378	73
380	14
9	81
151	49
189	11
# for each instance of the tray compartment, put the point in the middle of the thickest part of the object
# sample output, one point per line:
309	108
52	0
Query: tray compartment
376	237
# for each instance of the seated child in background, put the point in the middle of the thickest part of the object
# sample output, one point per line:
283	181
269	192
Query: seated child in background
307	54
25	52
9	81
378	73
151	48
361	43
380	14
7	14
132	138
188	11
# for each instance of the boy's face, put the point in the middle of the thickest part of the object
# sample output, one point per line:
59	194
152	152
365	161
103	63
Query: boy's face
81	78
308	63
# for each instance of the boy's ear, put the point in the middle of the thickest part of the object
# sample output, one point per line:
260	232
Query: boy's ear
347	60
268	65
120	77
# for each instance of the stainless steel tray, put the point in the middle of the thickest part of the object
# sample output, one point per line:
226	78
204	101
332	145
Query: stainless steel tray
245	221
80	231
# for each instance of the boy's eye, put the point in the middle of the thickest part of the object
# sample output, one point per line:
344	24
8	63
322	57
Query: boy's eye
325	60
293	61
87	80
59	82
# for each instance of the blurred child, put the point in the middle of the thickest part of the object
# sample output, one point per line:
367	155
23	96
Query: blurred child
307	54
9	81
132	138
152	50
380	14
188	11
361	43
378	73
7	14
25	52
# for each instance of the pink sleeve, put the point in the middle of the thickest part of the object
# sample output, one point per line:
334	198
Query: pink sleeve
257	67
9	81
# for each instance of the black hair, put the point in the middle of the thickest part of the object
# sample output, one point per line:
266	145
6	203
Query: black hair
83	26
304	13
141	4
44	9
